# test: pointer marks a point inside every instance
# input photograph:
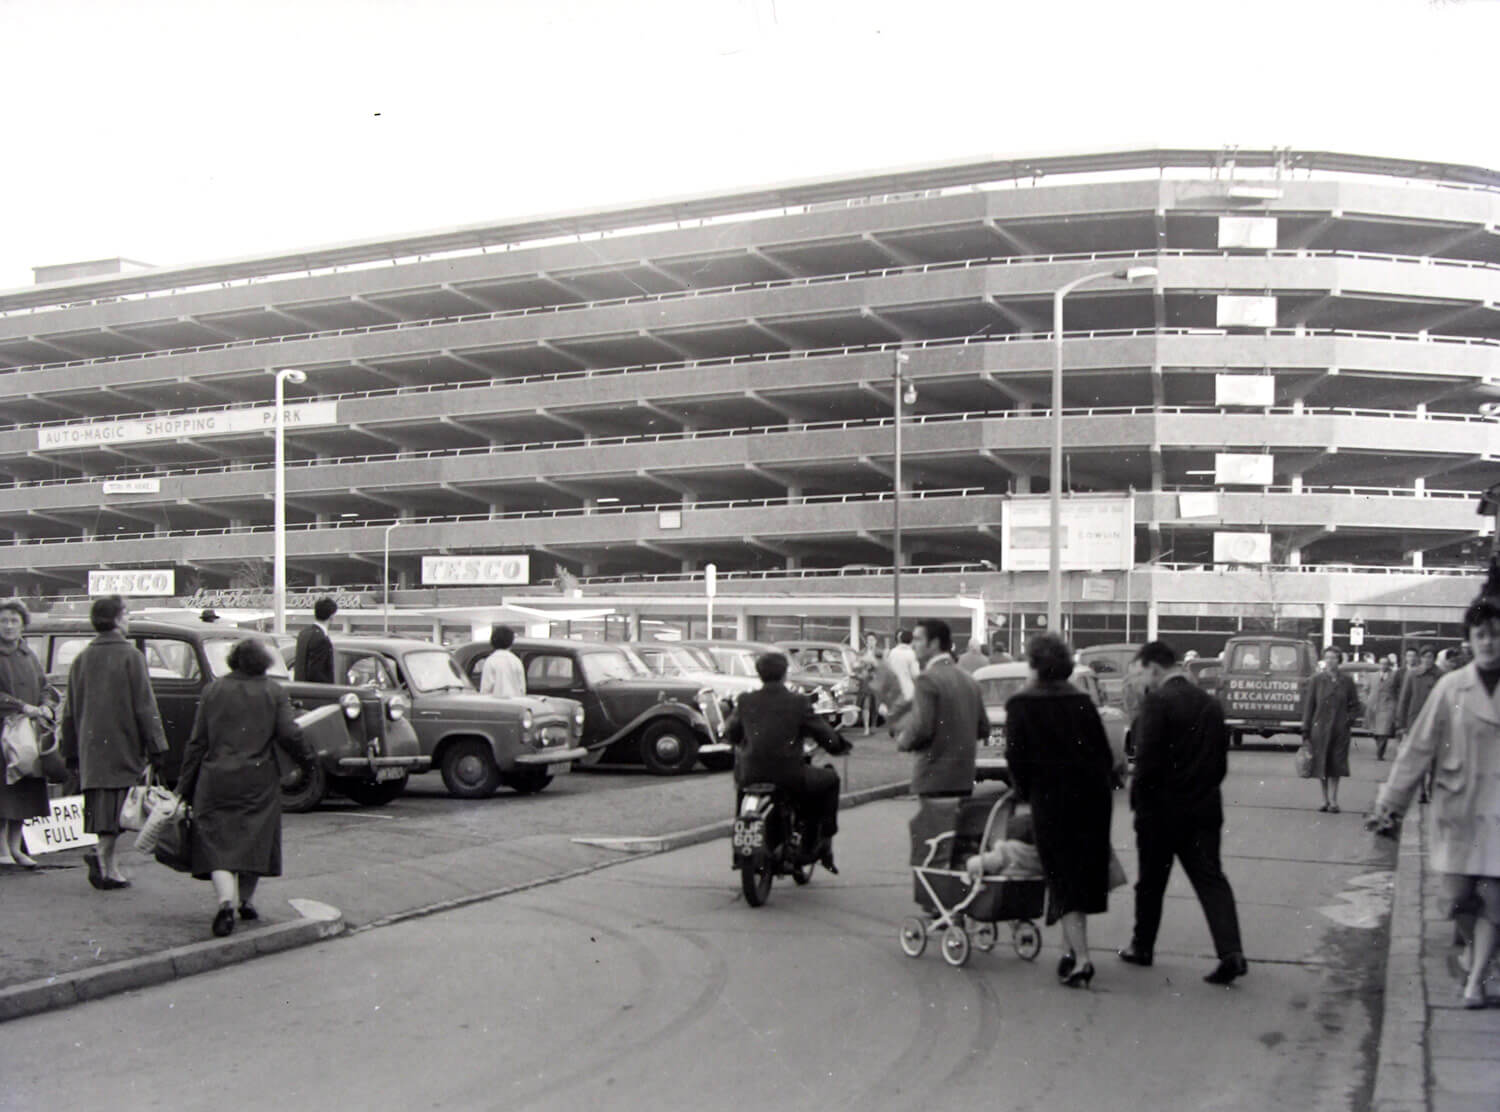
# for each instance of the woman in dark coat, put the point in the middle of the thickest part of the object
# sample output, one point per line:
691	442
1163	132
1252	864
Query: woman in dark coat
23	691
1060	763
1327	716
231	778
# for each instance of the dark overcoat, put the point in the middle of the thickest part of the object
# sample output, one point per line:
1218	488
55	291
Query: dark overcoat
22	683
1060	763
1332	706
231	776
313	660
110	721
768	726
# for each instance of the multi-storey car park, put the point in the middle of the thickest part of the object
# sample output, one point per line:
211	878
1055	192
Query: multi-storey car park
630	394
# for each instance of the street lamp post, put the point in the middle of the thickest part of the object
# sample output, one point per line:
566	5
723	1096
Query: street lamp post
899	387
1054	475
385	577
278	555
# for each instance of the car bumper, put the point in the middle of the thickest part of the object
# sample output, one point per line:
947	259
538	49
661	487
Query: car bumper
716	747
551	757
370	766
991	768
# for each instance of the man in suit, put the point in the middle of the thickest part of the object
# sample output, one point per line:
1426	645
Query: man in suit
1181	758
768	726
314	659
946	722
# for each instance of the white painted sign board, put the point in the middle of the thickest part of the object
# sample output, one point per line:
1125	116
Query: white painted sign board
1247	231
1242	548
177	426
1236	469
1098	534
1253	390
1236	311
61	829
132	486
147	582
498	570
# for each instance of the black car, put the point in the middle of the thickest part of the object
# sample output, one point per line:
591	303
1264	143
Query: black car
630	716
182	659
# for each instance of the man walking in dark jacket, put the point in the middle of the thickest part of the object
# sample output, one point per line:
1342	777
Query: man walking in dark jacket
1182	755
768	725
313	662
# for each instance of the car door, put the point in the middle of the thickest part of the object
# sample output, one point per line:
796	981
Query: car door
177	681
558	674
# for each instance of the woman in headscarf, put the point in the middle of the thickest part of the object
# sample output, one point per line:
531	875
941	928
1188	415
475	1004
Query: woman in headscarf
23	692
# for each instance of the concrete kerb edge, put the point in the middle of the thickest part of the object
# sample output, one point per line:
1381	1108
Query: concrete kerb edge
1402	1065
66	989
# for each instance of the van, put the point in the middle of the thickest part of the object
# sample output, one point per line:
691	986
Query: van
1263	682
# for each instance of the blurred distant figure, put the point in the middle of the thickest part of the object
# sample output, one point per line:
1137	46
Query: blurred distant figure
1332	705
1382	711
974	658
903	661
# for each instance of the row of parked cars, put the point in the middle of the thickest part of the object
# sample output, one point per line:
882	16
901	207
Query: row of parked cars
411	707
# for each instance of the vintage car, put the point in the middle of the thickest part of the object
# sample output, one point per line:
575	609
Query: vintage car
679	661
477	741
630	716
371	768
998	682
834	697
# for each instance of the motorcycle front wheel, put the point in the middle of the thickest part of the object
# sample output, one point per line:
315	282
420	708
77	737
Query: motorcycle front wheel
755	880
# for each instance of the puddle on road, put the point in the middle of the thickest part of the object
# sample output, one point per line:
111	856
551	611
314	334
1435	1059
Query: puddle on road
1365	902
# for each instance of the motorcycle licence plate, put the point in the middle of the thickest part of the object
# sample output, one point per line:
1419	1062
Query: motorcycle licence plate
749	835
382	774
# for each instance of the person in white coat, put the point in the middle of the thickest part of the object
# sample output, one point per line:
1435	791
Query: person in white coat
1459	729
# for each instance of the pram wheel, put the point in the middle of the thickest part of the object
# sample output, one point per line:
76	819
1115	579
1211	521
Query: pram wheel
1026	939
956	947
913	936
802	876
985	937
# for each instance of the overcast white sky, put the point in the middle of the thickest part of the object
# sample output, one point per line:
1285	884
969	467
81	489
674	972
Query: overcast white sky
178	130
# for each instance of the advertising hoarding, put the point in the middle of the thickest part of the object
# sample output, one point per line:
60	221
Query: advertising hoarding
1098	534
1252	390
132	486
175	426
1235	311
476	571
1242	548
1237	469
1248	231
148	582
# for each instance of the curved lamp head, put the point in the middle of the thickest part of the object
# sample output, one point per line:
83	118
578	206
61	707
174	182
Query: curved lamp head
1136	273
909	394
293	375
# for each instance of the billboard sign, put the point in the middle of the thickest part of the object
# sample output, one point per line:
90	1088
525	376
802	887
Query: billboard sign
475	571
178	426
1257	232
1242	548
1253	390
148	582
1235	469
1235	311
132	486
1098	534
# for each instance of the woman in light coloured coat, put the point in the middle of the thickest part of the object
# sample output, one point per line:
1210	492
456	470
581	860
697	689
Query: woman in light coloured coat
1459	728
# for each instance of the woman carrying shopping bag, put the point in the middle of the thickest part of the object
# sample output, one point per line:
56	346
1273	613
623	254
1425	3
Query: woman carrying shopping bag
231	779
23	694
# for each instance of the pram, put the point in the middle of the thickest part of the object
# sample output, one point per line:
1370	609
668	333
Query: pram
968	909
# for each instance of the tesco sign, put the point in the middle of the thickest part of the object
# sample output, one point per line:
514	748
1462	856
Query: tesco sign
475	571
148	582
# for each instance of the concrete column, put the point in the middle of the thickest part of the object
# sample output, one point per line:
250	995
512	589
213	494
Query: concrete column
1297	405
497	509
687	567
1329	611
742	624
1153	620
1421	411
793	563
1294	557
793	494
856	637
633	624
436	636
1297	483
588	568
1416	560
1419	487
402	579
1023	484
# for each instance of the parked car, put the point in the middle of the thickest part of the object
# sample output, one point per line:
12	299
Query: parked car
833	696
831	659
678	661
629	715
182	659
478	742
1263	682
1111	663
998	682
1206	672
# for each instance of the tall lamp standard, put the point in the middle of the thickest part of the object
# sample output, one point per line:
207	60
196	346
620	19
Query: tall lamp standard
902	391
278	557
1054	473
385	577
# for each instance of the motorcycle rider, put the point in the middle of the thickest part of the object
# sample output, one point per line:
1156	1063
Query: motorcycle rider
767	727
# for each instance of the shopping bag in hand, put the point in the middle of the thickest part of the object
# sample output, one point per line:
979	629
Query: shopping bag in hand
162	814
174	841
140	801
1304	761
19	743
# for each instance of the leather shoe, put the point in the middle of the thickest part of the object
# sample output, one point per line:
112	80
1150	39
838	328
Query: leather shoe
96	873
248	913
109	883
224	921
1228	969
1131	956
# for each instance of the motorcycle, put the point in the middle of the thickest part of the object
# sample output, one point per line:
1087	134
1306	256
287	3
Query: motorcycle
771	839
838	706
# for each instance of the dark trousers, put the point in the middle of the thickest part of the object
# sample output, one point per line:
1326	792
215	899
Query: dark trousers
818	799
936	815
1193	840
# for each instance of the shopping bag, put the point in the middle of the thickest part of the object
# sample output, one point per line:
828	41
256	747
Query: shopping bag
140	801
19	744
1304	761
174	841
162	814
1117	877
54	768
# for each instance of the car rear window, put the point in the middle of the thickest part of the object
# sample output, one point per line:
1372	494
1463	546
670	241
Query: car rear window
216	649
1284	658
998	691
1246	658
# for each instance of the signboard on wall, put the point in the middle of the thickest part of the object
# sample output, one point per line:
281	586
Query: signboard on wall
1097	534
1248	231
176	426
1235	469
1235	311
132	486
1255	390
1198	504
1242	548
475	571
148	582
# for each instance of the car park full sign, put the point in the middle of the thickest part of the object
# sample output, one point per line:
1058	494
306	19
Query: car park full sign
61	829
464	571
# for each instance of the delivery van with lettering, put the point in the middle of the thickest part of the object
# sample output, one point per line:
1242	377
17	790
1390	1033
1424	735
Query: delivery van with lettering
1263	682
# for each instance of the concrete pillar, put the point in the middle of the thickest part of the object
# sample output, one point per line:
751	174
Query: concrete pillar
1153	620
1297	483
1294	557
856	638
1421	411
633	625
1023	484
1419	487
793	494
436	636
1416	560
687	567
588	568
793	563
320	579
1329	611
497	509
742	624
1297	405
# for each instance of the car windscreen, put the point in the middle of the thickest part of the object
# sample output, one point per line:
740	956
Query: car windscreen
216	649
602	667
737	662
701	659
434	670
998	691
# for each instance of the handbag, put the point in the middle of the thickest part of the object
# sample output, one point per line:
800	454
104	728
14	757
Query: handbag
21	752
1117	877
140	801
161	815
1304	761
174	841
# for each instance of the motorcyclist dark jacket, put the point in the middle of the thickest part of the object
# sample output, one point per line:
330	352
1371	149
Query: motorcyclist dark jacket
767	728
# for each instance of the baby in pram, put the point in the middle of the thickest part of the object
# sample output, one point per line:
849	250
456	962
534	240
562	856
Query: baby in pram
1011	853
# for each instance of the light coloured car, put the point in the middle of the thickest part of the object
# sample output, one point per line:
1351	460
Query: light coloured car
998	682
688	662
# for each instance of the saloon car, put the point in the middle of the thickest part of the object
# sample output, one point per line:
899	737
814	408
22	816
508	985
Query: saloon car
678	661
630	716
478	742
372	765
998	682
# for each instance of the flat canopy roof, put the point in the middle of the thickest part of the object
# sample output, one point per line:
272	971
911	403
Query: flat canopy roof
808	191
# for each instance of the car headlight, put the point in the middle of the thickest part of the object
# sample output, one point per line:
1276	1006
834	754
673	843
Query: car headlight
351	704
578	717
527	721
397	707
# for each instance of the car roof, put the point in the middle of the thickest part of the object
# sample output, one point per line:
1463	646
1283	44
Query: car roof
383	644
565	643
1112	647
723	643
143	627
1006	671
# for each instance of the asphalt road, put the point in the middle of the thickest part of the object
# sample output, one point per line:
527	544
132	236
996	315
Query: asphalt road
651	984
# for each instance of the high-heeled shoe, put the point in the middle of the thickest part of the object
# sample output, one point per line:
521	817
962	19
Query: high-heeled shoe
248	913
1065	965
224	921
96	871
1081	977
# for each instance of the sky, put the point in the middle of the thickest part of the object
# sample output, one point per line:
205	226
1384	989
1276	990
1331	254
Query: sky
174	131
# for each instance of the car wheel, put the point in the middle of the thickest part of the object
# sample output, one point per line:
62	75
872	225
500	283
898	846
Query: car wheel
371	793
528	781
302	789
717	762
469	770
669	748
